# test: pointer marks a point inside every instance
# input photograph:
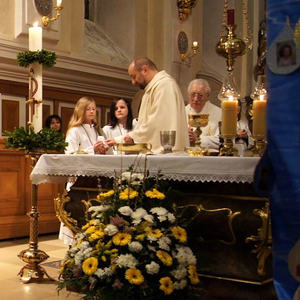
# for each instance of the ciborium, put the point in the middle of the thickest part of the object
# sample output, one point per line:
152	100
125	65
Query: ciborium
197	121
167	140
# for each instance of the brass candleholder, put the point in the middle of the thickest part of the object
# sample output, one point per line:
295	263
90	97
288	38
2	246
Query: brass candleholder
260	145
33	256
198	121
227	148
47	19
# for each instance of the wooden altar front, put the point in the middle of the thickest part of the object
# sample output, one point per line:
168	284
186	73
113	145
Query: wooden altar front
229	225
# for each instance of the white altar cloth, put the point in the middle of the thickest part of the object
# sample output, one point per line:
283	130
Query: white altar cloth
56	168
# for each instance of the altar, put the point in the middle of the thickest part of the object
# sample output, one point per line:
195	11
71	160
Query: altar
229	225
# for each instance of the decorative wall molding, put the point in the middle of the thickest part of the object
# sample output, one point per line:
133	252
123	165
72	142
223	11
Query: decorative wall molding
70	73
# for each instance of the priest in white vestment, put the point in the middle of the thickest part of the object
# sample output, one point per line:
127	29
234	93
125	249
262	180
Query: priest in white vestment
199	92
162	106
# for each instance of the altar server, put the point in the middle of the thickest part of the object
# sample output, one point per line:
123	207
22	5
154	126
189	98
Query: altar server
121	121
83	132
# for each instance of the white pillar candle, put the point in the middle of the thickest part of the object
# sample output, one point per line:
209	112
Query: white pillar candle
35	43
58	2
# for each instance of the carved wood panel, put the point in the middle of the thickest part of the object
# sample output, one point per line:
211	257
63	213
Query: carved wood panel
10	114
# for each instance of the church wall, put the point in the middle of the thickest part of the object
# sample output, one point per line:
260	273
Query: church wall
117	18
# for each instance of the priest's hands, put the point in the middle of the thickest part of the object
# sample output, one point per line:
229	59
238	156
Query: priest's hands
110	142
192	135
128	140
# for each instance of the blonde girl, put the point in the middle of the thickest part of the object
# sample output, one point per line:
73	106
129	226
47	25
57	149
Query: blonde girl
82	133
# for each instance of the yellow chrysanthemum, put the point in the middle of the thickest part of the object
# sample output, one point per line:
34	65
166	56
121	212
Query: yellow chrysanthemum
140	237
87	225
90	265
193	274
121	239
179	233
128	193
155	233
166	285
164	257
98	234
91	229
102	196
155	194
134	276
65	264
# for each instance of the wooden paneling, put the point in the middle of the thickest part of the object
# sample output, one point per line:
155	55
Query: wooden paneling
15	197
10	114
66	113
46	112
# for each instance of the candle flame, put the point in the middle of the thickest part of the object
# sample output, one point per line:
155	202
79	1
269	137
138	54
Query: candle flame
230	98
195	44
261	97
35	24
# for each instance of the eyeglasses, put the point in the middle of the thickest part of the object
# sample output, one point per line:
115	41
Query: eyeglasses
197	95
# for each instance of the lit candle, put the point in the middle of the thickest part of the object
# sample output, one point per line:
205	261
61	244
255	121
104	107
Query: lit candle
259	117
58	2
229	117
195	44
35	37
230	17
35	44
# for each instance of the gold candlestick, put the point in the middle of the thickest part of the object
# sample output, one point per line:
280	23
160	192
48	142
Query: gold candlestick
33	256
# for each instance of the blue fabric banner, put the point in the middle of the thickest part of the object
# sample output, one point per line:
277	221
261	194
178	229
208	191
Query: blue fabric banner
283	152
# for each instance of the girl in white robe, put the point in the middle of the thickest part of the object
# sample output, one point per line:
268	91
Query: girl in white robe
82	136
121	121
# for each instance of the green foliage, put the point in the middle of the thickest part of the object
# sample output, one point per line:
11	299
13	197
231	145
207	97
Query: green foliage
44	57
26	139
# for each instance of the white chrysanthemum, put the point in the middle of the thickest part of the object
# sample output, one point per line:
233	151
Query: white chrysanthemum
139	213
180	285
136	222
126	261
103	273
125	210
111	229
179	273
160	211
164	243
152	268
149	218
99	208
171	218
162	218
135	247
132	178
185	256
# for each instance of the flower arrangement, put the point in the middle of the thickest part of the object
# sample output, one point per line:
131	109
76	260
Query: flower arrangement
132	246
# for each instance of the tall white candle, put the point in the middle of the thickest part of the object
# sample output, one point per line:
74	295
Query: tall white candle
58	2
35	43
35	37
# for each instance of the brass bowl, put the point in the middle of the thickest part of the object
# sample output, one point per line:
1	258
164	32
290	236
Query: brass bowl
136	148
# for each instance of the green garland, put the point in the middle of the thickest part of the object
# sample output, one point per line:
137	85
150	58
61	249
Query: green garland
46	140
44	57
